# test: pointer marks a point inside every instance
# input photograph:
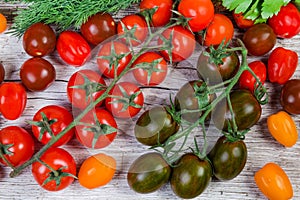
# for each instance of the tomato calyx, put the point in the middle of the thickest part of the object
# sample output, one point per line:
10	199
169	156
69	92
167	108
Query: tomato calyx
45	125
167	45
4	151
149	67
129	34
217	55
56	175
126	99
98	129
114	58
232	136
202	93
182	20
89	87
148	14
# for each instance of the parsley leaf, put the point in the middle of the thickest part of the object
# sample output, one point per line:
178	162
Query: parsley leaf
271	7
256	10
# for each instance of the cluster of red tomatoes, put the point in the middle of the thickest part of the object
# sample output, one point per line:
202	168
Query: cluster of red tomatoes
101	104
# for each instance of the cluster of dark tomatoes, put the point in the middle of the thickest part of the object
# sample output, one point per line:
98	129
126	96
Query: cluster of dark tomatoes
87	91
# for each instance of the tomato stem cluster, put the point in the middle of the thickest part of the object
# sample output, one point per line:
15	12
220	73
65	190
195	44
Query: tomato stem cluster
146	47
170	144
233	134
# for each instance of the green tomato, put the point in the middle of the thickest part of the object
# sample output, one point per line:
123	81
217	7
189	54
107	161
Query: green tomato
190	176
228	158
191	98
148	173
217	73
155	125
246	111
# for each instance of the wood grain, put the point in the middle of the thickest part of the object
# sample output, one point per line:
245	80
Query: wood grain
262	148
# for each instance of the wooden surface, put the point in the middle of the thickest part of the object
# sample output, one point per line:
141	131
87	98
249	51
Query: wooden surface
262	148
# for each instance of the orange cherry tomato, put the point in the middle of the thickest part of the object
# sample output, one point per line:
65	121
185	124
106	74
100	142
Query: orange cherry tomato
3	23
283	128
97	171
274	182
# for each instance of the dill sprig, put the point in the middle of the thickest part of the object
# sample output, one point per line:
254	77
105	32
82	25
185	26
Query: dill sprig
64	14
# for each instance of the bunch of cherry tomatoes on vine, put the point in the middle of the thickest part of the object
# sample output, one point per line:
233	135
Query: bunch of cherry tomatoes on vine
98	104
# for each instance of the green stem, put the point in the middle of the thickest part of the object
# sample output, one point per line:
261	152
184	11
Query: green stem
233	125
6	161
49	167
204	149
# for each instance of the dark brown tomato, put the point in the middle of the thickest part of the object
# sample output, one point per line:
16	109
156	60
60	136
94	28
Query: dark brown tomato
246	111
217	73
98	28
189	99
290	96
39	40
2	73
37	74
190	176
259	39
155	125
228	158
148	173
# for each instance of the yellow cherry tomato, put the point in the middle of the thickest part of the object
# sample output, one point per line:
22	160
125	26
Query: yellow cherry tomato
283	128
97	171
3	23
273	182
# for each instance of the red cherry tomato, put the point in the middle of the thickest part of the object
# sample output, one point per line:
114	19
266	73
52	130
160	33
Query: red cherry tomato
62	172
286	24
39	40
73	48
13	100
150	73
37	74
58	118
98	28
183	43
247	80
17	145
97	132
125	100
282	64
241	21
200	12
83	85
112	50
220	29
163	13
133	22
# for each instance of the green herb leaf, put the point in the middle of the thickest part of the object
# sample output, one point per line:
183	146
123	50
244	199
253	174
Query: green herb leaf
256	10
65	14
271	7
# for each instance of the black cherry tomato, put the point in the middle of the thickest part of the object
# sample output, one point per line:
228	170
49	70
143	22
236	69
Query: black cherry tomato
39	40
228	158
98	28
290	96
259	39
37	74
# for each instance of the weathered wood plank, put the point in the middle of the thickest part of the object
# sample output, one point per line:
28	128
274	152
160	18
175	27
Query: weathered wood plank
262	148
